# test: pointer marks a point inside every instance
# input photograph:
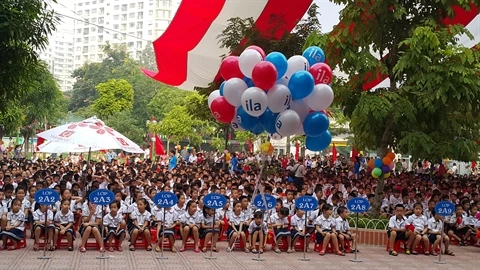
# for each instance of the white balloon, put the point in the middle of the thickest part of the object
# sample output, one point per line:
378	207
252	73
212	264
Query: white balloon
213	96
279	98
247	61
234	124
287	123
300	130
275	136
283	81
254	101
301	107
296	63
233	90
320	98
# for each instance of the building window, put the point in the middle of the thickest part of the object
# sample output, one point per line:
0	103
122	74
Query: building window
100	38
150	32
140	15
101	11
124	7
132	5
116	17
116	7
131	15
115	26
85	31
100	29
100	20
140	5
131	25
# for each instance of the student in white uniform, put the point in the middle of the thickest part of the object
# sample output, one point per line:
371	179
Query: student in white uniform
298	229
419	221
14	229
326	230
435	228
114	225
397	230
64	221
237	227
170	221
279	222
257	230
343	230
39	217
190	224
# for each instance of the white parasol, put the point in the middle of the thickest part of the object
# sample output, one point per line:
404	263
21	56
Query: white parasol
56	147
90	133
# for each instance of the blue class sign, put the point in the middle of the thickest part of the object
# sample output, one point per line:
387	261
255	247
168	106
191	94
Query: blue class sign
46	196
306	203
358	205
214	201
101	197
260	204
165	199
445	208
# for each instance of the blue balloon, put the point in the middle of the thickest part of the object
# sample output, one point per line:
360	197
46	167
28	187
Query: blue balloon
257	130
249	82
378	163
315	124
319	143
301	84
314	55
247	121
268	120
221	88
279	61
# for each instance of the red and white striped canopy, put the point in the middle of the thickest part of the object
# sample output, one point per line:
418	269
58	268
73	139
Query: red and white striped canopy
188	53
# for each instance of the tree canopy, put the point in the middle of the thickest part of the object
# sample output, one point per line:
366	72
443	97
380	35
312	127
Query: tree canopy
25	27
114	96
430	109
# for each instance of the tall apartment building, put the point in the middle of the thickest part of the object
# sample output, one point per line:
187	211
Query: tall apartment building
59	52
59	57
133	23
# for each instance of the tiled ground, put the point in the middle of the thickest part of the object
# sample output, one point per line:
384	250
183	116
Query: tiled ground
372	257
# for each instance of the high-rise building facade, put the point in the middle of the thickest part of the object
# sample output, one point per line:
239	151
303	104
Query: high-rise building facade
132	23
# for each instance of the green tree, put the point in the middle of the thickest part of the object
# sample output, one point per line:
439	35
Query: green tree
124	123
114	96
178	124
25	27
430	109
164	100
147	59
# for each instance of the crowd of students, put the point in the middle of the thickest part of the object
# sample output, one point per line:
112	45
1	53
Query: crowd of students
408	202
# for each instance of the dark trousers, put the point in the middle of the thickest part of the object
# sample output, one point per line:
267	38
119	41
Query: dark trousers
298	183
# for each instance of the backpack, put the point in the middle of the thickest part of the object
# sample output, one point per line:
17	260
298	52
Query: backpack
292	173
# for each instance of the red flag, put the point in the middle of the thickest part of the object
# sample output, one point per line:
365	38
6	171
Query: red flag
474	164
250	145
334	153
297	150
40	141
159	150
354	154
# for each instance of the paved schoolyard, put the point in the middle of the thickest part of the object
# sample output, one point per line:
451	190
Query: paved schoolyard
372	257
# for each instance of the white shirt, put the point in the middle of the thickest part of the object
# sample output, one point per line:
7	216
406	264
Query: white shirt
188	219
290	206
180	210
171	217
395	223
276	220
236	220
86	213
40	216
435	226
342	225
14	218
112	221
253	226
418	221
141	217
64	218
298	222
325	223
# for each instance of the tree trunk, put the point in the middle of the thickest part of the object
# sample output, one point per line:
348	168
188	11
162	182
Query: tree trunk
381	152
288	146
168	145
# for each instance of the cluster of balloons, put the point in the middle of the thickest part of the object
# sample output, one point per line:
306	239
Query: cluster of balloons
281	96
382	166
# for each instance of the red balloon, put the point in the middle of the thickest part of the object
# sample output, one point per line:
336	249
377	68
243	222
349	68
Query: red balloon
264	75
230	69
222	110
258	49
322	73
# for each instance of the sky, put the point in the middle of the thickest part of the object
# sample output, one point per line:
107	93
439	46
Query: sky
329	14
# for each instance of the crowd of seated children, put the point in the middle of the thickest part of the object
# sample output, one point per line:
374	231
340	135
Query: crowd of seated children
14	229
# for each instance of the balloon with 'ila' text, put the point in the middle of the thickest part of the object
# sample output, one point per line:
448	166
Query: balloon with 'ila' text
268	119
279	98
322	73
254	101
212	97
296	63
222	110
314	55
287	123
245	120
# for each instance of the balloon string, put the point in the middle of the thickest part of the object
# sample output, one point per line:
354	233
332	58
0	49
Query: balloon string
262	193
